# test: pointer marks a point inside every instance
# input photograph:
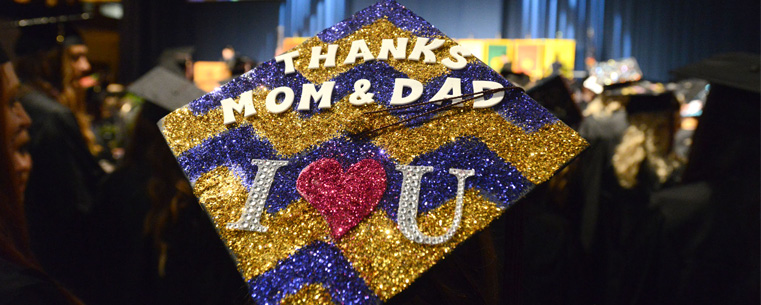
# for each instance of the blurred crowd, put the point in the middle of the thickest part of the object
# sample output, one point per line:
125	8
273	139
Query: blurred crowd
94	208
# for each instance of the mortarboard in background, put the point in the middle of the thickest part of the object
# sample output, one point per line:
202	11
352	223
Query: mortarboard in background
165	89
736	70
726	141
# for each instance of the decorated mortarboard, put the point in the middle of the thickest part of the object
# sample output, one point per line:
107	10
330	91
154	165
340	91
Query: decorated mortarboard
343	169
612	74
165	88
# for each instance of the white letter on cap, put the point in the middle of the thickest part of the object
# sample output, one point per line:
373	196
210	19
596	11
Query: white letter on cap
399	51
288	58
399	84
481	85
358	47
422	48
329	57
246	102
251	214
271	102
458	53
308	92
451	84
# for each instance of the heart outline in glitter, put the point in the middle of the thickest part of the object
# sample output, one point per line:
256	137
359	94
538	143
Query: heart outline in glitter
343	198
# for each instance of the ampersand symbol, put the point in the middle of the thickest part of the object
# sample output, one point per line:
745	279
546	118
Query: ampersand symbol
360	96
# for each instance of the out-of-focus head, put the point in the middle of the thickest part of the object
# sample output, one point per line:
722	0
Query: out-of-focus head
15	124
53	53
228	53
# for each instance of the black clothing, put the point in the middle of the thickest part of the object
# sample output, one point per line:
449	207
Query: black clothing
198	269
60	191
23	286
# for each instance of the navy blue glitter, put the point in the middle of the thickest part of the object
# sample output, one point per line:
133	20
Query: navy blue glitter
396	13
318	262
517	107
495	178
380	75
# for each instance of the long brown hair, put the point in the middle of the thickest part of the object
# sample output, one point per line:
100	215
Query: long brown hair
167	187
50	71
14	235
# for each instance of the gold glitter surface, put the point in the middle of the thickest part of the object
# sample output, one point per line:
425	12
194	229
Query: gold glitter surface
389	262
309	294
536	155
183	130
299	224
373	34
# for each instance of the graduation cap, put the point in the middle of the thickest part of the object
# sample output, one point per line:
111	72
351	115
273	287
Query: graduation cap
726	141
44	37
165	89
346	167
553	93
175	59
612	74
652	102
736	70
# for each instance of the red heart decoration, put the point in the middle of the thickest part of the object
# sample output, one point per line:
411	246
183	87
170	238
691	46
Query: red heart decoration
343	199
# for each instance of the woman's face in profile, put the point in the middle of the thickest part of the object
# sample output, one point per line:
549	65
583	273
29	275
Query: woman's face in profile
16	124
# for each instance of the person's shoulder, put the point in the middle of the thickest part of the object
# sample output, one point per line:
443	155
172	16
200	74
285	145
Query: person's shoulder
42	107
19	285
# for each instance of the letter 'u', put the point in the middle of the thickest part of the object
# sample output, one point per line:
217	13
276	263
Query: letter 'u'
406	216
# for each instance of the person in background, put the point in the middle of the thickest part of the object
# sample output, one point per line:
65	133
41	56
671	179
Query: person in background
151	232
22	280
63	181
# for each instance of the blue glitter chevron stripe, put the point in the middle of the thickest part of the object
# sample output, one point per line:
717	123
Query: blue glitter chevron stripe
318	262
495	177
394	12
516	107
380	75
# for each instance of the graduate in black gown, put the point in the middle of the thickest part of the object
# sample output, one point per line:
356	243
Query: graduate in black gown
63	181
22	280
701	245
156	244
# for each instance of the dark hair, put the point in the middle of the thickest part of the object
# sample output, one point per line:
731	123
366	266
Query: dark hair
48	70
14	234
168	189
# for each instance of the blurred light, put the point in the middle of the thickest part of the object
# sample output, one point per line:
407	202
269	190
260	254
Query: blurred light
112	10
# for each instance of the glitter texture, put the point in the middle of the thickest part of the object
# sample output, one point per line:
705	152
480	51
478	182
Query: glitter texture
389	262
343	199
316	263
223	196
394	12
309	294
343	232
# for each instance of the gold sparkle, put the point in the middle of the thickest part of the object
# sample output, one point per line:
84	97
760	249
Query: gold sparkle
389	262
299	224
536	155
373	34
309	294
183	130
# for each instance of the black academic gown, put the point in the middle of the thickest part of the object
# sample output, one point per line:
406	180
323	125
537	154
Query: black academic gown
60	191
198	268
24	286
703	246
